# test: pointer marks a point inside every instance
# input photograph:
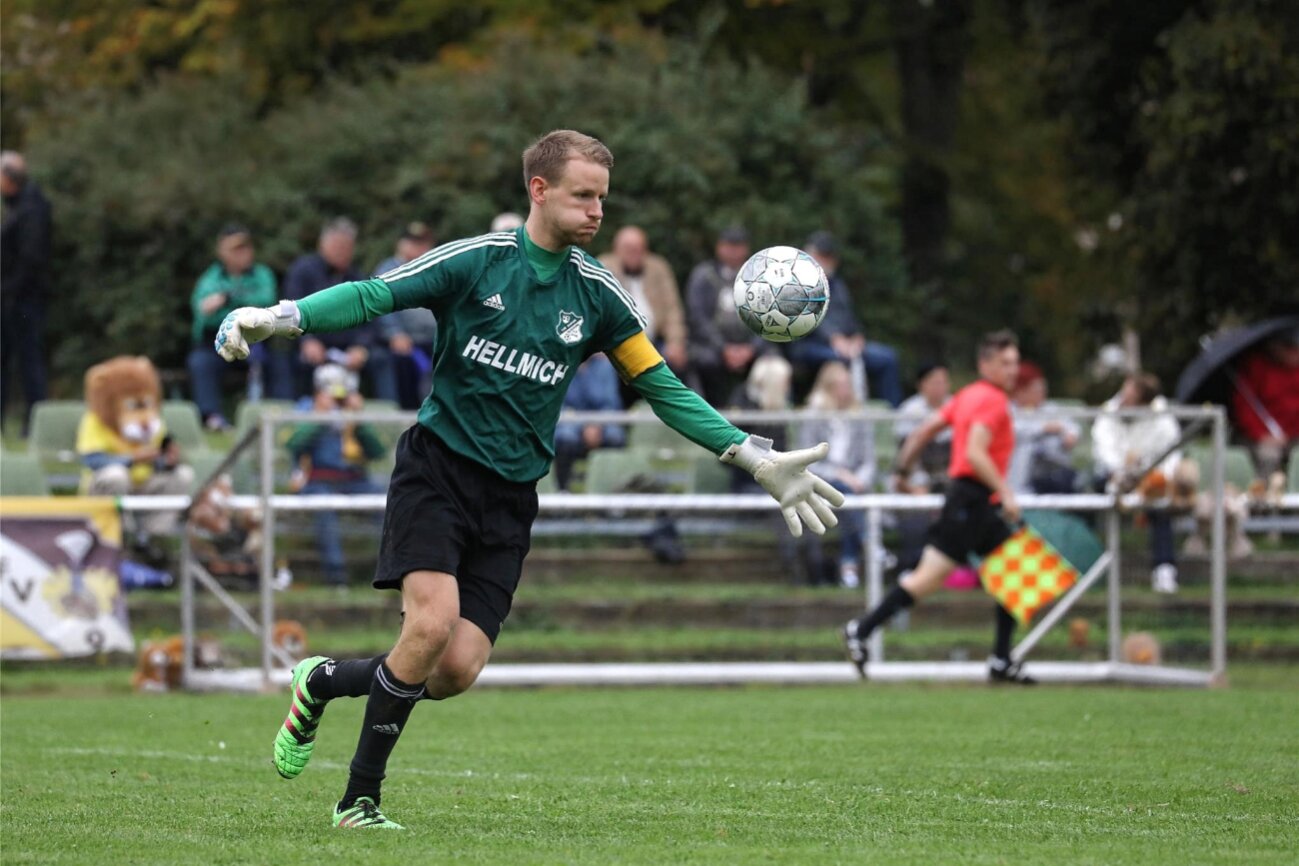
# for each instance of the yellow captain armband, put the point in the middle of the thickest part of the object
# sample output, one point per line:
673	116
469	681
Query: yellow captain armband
635	355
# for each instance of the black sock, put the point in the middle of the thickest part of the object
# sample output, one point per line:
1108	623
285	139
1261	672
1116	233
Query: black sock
897	599
386	712
345	679
1005	629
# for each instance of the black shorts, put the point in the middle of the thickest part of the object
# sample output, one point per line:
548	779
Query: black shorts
969	523
447	513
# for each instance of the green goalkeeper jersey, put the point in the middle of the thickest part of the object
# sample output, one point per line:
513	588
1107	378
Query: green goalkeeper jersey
508	344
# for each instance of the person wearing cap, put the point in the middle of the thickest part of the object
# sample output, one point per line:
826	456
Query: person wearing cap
410	333
360	348
24	281
721	347
840	336
235	279
334	458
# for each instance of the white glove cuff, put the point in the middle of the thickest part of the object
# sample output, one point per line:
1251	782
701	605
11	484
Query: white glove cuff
749	454
287	319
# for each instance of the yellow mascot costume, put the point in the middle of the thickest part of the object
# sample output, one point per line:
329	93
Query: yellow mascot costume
122	443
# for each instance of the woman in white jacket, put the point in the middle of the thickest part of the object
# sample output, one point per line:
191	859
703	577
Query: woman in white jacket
1125	447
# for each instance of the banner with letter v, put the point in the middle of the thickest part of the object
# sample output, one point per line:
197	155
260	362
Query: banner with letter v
60	596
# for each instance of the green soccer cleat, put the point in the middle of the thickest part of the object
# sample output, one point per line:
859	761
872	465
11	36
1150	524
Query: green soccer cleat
297	736
364	813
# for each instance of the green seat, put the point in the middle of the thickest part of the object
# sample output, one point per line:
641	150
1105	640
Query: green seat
21	475
248	413
709	475
1238	470
204	462
54	428
184	424
1293	486
609	469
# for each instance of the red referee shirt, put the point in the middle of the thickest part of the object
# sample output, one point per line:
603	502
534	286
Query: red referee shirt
986	404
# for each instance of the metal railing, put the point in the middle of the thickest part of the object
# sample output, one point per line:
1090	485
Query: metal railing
874	504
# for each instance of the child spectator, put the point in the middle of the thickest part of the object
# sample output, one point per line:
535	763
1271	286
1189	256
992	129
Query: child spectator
334	458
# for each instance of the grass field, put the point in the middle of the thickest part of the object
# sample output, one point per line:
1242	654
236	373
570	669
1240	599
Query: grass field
871	774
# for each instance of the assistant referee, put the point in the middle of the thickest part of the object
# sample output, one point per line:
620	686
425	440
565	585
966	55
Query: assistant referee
979	501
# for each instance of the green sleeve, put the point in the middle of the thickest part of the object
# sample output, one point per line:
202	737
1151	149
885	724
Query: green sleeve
345	305
685	411
262	293
300	441
369	441
208	284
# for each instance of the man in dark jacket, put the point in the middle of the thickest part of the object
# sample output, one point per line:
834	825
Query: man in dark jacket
360	349
24	281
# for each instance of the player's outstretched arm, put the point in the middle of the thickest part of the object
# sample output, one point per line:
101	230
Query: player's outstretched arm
804	498
345	305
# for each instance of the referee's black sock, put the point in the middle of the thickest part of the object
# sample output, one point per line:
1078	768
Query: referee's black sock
897	599
346	679
1005	629
386	712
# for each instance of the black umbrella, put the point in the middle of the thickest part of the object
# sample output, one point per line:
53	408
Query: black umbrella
1206	378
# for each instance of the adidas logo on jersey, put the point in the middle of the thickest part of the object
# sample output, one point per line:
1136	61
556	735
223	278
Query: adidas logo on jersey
387	729
494	302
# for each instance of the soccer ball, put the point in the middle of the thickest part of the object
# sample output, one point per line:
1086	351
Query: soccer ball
781	294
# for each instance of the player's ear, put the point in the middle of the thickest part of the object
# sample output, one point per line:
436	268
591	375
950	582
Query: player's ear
537	189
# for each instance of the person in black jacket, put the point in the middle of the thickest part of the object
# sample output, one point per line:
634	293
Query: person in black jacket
24	281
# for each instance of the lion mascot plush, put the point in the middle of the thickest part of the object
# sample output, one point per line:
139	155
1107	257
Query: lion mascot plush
122	442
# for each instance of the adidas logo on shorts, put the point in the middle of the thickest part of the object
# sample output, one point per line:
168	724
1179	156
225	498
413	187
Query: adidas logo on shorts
494	302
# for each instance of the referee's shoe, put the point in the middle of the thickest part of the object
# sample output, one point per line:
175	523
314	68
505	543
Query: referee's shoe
855	648
1005	671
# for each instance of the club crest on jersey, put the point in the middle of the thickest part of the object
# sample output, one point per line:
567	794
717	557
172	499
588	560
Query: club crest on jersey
569	327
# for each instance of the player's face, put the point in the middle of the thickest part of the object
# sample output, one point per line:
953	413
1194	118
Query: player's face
1002	368
574	205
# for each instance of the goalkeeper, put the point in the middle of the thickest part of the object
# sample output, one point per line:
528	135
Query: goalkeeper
518	311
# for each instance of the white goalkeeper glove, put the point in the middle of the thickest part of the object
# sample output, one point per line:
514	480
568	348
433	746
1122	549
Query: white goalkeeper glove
252	325
804	498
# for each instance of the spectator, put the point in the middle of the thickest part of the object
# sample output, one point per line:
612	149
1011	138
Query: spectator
840	336
722	348
233	280
359	349
933	390
768	389
1042	461
850	465
933	393
412	333
594	389
1126	447
24	282
1265	403
648	278
333	458
507	221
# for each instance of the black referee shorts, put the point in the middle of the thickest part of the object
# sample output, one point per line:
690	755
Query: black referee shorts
969	522
447	513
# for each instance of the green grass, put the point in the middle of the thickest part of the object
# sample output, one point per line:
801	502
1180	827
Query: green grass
886	774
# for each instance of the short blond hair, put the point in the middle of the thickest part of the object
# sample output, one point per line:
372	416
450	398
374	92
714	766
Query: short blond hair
547	156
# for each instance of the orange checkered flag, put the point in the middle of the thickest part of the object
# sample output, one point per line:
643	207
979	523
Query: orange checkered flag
1026	573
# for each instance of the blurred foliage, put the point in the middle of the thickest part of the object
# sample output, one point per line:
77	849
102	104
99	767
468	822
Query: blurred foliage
1068	167
1182	122
142	183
